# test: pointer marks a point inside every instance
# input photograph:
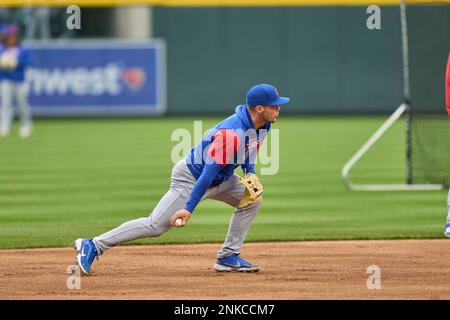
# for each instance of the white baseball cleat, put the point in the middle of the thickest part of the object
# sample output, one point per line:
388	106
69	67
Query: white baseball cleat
4	132
25	132
447	230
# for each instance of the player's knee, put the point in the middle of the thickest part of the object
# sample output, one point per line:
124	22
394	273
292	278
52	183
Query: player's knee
259	201
153	229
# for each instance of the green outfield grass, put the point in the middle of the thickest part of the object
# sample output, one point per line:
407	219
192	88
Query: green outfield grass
79	178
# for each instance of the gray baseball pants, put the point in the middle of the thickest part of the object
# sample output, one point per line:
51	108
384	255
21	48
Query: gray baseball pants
10	90
181	184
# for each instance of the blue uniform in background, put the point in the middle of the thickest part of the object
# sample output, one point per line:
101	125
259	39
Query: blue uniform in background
23	61
13	64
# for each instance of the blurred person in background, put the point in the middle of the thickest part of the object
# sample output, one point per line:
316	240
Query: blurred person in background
37	22
14	60
3	26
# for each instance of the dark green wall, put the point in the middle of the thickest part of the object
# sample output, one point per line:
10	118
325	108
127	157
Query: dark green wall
324	58
429	47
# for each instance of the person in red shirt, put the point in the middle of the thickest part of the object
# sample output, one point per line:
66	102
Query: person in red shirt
447	85
447	103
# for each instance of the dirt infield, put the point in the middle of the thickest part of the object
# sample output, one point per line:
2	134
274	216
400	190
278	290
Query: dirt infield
410	269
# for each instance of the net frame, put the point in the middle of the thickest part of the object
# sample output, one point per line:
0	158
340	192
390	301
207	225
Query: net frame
403	110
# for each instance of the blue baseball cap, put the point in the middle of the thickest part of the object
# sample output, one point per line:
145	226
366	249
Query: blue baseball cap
265	95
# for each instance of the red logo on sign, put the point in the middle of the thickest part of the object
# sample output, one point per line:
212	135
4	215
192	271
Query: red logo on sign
134	78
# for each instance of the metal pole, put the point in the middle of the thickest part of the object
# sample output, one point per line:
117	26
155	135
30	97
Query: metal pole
363	150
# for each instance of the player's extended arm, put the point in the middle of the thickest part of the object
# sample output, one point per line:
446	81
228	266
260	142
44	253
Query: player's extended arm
249	165
202	185
220	154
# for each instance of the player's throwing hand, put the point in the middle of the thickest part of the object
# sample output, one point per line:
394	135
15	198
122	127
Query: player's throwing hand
182	214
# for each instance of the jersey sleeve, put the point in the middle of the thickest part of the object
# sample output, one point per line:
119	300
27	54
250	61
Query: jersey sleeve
224	147
221	153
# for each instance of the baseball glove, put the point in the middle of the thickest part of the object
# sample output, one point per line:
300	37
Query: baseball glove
8	61
253	189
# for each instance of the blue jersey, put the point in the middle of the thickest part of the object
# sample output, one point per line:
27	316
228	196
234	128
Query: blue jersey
232	143
23	61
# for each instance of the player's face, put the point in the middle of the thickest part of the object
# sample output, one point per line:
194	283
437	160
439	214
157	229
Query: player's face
271	113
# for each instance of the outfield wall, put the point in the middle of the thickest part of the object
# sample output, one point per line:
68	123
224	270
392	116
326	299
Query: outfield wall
320	53
324	58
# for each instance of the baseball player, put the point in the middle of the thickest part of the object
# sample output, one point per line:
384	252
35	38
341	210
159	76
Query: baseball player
14	60
208	173
447	103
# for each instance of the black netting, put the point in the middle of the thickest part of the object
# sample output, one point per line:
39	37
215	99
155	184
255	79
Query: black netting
428	28
428	46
